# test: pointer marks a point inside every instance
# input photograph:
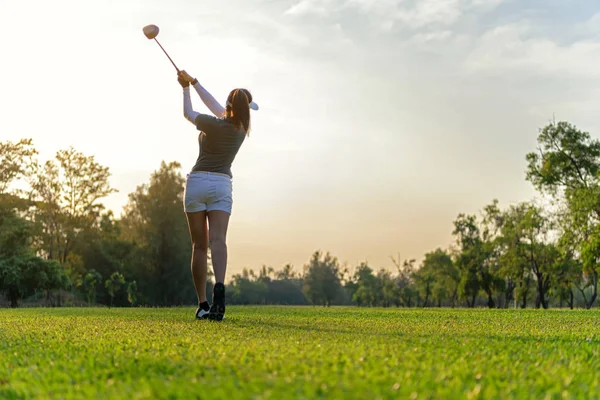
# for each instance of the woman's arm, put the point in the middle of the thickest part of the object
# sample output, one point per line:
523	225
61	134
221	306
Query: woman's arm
188	111
213	105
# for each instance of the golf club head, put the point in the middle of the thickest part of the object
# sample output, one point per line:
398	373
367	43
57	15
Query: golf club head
151	31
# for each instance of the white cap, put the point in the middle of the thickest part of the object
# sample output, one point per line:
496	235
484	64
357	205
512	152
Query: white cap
252	105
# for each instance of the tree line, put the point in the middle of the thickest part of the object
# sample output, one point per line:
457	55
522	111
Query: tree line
60	246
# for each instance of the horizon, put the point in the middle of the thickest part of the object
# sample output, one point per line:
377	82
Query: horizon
381	121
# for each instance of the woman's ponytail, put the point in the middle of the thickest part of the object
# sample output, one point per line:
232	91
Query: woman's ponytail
238	108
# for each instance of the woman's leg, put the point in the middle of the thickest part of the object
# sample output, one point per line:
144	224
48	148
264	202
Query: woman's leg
199	235
218	221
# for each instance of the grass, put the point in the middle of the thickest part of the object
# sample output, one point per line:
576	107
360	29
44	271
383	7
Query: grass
302	353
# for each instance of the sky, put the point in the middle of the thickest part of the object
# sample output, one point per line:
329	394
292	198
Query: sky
380	120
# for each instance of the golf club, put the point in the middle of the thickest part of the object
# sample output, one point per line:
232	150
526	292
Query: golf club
151	32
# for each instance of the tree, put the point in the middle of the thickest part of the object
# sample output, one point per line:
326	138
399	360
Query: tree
405	280
132	292
244	290
67	190
16	160
154	222
14	233
14	247
367	290
528	249
11	280
24	274
321	279
477	254
469	257
438	278
568	159
389	293
286	273
91	279
568	166
265	274
514	261
114	284
103	250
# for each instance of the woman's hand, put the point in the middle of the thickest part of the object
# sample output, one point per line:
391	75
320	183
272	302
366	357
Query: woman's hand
182	82
185	76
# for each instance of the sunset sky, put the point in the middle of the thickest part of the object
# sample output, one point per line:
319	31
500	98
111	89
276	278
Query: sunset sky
380	121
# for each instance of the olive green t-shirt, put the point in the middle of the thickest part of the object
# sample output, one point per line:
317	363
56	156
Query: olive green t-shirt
219	142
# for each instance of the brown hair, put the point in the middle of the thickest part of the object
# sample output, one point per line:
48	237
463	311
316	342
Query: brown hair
238	108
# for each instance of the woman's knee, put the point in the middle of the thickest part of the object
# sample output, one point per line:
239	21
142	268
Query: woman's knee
217	240
200	247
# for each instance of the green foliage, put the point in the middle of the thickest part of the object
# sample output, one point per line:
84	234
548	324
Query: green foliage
470	257
245	291
114	284
15	233
567	157
67	190
91	279
321	279
437	279
367	291
156	226
16	161
568	166
25	274
132	292
300	352
521	255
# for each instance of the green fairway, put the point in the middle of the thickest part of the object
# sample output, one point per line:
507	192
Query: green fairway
294	352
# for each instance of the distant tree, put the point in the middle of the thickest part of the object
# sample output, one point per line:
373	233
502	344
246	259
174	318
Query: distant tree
132	292
389	293
425	278
14	250
321	279
265	274
91	279
67	191
24	274
514	257
567	166
528	252
16	161
243	290
405	281
155	224
286	273
469	258
568	276
11	280
437	278
114	284
367	291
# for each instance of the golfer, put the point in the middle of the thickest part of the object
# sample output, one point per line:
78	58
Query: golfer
208	190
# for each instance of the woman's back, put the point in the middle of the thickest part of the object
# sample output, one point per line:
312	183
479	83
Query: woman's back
219	143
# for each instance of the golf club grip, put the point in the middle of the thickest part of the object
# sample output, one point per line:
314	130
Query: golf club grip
157	42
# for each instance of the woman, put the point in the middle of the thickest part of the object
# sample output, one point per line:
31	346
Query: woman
208	189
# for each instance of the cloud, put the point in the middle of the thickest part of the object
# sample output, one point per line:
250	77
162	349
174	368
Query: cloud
385	14
508	47
592	26
311	7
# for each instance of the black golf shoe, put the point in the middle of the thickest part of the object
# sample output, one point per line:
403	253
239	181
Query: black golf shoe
203	310
217	310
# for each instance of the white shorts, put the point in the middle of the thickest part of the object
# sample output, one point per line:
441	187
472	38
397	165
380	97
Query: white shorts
208	191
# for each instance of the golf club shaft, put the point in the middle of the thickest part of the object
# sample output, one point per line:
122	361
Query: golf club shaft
167	55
